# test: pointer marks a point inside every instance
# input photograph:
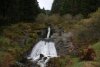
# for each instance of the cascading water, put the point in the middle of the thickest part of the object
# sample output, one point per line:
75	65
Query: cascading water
48	33
44	47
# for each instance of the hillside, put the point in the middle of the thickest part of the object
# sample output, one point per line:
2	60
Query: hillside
75	25
17	40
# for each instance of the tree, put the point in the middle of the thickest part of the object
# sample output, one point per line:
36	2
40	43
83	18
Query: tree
28	9
18	10
74	6
88	6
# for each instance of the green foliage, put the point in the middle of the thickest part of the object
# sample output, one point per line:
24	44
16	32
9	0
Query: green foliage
96	63
18	10
87	30
97	49
78	64
16	40
28	9
66	21
74	6
4	42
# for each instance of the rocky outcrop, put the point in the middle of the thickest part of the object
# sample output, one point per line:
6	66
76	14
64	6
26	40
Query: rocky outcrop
64	44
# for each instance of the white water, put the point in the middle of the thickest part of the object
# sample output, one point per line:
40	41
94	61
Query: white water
48	35
43	47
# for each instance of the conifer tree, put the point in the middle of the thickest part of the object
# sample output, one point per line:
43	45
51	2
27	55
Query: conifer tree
75	6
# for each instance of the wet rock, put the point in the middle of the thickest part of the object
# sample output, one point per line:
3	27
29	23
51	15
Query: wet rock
63	43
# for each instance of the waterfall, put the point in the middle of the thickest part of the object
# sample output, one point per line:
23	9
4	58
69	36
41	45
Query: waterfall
48	34
46	48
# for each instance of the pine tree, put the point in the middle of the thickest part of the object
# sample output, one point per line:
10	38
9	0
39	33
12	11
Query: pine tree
75	6
28	9
18	10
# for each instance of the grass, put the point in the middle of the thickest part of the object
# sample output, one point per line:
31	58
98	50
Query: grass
97	50
95	63
76	63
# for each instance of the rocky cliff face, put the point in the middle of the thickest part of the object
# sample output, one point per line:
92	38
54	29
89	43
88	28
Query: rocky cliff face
63	43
